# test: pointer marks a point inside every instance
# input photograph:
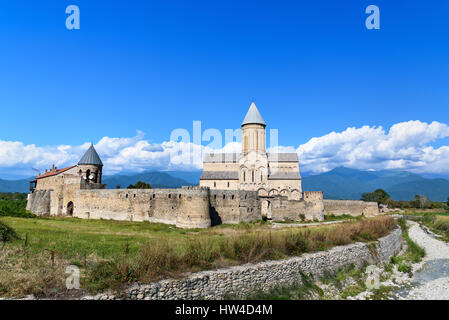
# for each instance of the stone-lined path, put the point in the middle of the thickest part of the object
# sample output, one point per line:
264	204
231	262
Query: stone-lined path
431	276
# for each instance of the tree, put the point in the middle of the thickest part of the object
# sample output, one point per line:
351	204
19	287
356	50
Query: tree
421	202
379	196
139	185
447	202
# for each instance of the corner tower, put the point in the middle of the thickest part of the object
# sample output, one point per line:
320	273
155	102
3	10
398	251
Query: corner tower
90	166
253	132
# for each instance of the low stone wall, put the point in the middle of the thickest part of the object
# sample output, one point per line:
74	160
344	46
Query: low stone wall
241	281
351	207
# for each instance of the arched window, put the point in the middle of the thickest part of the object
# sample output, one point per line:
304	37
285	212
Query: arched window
87	174
253	174
228	184
215	184
244	176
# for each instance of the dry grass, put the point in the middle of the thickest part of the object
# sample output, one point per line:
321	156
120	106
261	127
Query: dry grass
109	259
159	259
438	224
23	272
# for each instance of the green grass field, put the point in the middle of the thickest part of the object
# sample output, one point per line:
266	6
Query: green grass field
113	253
75	238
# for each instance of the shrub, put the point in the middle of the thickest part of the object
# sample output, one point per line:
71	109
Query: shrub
15	208
139	185
404	268
7	233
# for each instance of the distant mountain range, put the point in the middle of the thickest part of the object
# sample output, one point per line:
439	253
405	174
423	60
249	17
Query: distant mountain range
339	183
157	179
344	183
22	185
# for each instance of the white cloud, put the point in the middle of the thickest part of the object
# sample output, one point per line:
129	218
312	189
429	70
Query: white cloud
133	154
406	146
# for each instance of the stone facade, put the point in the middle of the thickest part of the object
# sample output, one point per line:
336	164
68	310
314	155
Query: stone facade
270	174
242	280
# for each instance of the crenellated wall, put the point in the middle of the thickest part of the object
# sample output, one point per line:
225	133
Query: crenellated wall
234	206
187	207
184	207
310	207
350	207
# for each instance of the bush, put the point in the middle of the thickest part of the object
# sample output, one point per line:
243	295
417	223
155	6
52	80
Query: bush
139	185
404	268
379	196
7	233
15	208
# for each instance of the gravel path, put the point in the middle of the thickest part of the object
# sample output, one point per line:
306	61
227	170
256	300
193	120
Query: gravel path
431	276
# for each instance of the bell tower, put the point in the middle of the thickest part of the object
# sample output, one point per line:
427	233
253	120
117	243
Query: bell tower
253	132
253	162
90	166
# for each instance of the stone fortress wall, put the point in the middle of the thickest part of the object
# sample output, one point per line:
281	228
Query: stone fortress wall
186	207
308	207
351	207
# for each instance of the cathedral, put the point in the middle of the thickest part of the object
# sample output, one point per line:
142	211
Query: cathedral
270	174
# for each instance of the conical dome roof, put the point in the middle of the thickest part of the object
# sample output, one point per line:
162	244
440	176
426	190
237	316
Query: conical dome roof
91	157
253	116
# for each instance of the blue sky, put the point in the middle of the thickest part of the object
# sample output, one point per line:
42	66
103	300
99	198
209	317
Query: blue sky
311	66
